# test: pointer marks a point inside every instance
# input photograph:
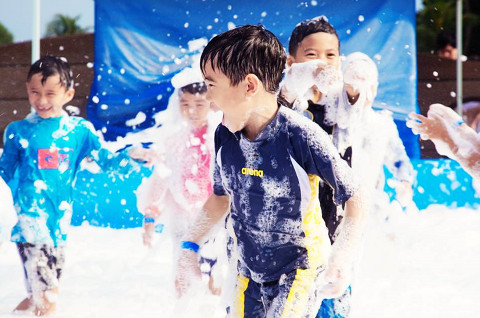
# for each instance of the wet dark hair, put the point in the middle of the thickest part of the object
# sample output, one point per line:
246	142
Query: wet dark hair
445	38
52	65
194	88
307	27
249	49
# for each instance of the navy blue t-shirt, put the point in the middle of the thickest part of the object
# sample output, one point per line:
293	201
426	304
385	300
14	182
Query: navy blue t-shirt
272	183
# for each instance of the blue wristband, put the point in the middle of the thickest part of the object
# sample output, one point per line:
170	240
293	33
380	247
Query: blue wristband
460	122
188	245
148	220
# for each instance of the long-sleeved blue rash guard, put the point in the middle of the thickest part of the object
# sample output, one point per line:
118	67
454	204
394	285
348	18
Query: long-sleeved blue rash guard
272	182
47	154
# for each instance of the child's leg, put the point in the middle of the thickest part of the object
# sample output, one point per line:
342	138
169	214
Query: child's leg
27	303
294	296
43	267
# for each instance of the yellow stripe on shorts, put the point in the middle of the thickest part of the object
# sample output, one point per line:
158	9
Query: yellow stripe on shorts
300	292
239	303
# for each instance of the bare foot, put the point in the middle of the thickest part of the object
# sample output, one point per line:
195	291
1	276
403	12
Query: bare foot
48	303
45	309
25	305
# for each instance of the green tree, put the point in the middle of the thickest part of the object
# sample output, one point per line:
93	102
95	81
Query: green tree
64	25
5	35
438	15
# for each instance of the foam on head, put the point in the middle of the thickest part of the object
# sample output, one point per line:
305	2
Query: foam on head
188	75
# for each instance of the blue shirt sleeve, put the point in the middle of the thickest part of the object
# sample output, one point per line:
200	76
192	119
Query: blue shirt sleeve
11	155
109	162
321	158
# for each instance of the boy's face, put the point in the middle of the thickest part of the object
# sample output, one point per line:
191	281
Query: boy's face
49	98
448	52
317	46
194	108
231	100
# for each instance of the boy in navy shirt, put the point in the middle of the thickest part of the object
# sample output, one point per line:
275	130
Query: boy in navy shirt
269	161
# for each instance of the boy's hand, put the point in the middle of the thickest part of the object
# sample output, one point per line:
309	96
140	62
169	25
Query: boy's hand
440	126
187	271
327	77
439	111
143	154
339	271
300	78
336	279
427	127
149	230
152	213
360	76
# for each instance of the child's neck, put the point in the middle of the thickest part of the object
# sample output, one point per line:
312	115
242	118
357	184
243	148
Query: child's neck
266	108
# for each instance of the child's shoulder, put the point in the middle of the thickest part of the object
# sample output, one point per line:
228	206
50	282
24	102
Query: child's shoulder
294	121
222	134
19	125
79	122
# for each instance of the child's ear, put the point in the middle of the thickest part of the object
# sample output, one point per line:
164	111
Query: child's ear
69	94
290	60
253	83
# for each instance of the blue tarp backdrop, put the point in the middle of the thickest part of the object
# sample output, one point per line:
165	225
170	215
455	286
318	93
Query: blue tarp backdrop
140	45
104	200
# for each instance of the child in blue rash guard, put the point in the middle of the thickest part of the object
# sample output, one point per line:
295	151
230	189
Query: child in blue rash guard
46	149
269	160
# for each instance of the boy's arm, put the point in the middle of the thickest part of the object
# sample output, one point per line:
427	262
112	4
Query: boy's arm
451	136
214	209
109	162
346	248
148	155
9	159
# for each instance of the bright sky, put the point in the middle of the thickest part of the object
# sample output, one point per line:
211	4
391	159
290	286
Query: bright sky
16	15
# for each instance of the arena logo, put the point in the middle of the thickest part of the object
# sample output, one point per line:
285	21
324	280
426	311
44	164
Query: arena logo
252	172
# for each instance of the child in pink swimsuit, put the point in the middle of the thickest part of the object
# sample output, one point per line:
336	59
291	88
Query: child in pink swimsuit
181	156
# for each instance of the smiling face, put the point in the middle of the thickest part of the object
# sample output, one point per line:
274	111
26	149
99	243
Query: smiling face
318	46
194	108
49	97
232	100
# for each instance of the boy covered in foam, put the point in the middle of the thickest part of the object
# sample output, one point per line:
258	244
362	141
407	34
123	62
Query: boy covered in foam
269	160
